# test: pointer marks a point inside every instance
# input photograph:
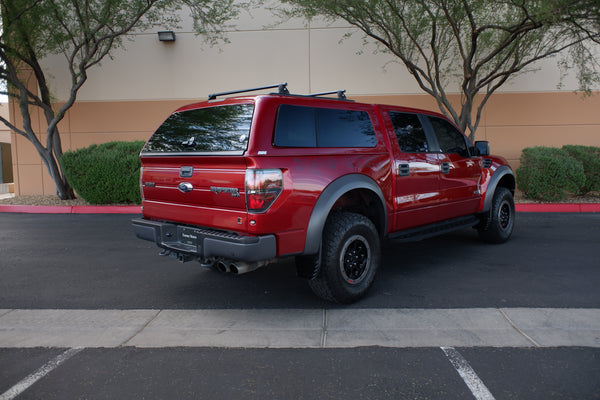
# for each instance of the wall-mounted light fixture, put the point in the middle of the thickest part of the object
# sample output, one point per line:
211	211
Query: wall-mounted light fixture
166	36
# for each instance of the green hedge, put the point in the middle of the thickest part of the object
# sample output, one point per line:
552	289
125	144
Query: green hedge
548	174
108	173
590	159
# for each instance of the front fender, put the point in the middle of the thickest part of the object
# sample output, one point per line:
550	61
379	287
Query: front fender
503	173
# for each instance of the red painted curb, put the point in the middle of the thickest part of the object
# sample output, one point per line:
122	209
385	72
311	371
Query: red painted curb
71	209
590	207
107	210
523	207
566	207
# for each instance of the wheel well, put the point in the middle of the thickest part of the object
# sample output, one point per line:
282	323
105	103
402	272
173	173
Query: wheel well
508	181
354	193
503	177
365	202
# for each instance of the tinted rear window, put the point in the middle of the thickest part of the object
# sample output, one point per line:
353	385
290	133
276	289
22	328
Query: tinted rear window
213	129
299	126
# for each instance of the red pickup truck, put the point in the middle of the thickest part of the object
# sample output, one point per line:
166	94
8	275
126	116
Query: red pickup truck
238	182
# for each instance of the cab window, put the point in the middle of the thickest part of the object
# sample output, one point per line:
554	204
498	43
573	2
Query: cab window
409	132
449	138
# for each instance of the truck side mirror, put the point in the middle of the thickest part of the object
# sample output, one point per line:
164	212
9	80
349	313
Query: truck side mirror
482	148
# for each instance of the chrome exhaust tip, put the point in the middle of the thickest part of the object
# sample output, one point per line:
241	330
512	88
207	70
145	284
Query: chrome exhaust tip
222	266
240	267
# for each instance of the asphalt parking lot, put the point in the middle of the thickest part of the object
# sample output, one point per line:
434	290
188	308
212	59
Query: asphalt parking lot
83	267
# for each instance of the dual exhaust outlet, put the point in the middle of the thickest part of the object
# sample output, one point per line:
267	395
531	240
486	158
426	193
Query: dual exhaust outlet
221	264
238	267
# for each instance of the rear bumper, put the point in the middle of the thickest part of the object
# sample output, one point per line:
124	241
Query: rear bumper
206	243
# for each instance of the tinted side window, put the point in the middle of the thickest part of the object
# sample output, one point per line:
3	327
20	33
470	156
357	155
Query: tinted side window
409	132
344	128
295	127
449	138
299	126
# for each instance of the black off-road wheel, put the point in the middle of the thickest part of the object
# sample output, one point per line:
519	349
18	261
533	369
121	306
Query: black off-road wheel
497	225
350	257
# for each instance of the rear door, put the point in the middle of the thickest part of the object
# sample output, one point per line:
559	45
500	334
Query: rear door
193	167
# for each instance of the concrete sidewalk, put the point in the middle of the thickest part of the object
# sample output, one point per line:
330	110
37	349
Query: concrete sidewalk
301	328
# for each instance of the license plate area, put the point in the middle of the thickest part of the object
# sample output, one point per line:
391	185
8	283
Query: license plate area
188	236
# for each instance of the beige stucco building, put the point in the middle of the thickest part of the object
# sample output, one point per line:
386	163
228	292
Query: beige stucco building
128	97
6	169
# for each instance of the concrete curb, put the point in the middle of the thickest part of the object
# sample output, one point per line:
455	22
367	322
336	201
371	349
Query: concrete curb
522	207
302	328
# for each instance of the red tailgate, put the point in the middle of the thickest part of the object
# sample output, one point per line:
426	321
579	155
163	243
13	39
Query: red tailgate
205	191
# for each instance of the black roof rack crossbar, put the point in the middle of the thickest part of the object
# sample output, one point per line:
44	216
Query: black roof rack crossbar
282	90
340	94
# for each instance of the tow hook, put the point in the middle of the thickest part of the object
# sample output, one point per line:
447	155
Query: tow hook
181	257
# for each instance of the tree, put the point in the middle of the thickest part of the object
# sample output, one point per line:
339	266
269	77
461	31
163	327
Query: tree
84	32
479	44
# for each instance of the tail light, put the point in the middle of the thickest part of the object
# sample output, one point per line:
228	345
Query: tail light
141	183
262	188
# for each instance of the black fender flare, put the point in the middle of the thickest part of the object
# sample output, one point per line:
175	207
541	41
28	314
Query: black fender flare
500	173
325	203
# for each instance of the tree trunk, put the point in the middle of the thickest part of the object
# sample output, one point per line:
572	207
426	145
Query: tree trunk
64	191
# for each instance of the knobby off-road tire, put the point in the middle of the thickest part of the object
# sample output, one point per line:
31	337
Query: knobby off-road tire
497	225
350	257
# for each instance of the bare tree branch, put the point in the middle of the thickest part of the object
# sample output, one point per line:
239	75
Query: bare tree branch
477	44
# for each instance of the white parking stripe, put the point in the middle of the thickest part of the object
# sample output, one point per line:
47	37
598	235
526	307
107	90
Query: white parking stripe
20	387
475	385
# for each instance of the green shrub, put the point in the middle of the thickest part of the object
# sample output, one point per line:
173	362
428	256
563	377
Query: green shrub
590	158
548	174
108	173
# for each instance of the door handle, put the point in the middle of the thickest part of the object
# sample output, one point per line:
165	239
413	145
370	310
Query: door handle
186	172
445	168
404	170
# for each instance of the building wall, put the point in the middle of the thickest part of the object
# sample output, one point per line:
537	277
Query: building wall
128	97
6	175
4	131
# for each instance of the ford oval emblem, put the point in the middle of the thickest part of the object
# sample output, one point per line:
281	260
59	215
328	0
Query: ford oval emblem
185	187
